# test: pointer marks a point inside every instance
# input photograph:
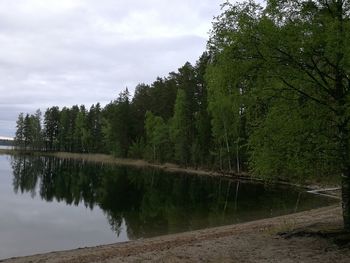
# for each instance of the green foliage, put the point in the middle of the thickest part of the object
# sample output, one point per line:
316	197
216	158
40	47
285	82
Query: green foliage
202	141
51	128
282	68
79	134
28	133
149	126
179	132
65	135
137	149
36	130
118	129
94	129
19	137
157	136
293	142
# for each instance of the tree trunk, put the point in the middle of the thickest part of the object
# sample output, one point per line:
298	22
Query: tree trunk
237	158
227	148
345	157
346	199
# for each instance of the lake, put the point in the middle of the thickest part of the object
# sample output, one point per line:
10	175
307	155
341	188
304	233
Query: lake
50	204
6	147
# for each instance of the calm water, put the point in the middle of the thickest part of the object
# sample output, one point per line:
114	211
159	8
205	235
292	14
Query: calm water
50	204
5	147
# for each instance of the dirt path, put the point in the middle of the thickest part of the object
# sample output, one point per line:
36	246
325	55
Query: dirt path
255	241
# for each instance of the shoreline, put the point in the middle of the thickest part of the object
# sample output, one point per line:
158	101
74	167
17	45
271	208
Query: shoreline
316	188
211	244
255	241
110	159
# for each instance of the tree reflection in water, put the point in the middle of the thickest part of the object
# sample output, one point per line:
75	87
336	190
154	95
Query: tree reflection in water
151	202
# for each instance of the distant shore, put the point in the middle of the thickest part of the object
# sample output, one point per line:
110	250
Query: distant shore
168	167
109	159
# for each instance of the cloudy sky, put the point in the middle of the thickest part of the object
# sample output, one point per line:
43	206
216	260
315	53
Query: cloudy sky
66	52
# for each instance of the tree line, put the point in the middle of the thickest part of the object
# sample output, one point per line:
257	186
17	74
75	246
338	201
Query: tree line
165	121
270	94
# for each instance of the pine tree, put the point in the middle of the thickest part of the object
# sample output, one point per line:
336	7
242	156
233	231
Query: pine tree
19	137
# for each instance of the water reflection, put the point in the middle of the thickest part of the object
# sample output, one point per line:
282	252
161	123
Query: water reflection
151	202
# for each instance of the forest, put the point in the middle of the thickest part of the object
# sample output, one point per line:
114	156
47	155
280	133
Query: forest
270	95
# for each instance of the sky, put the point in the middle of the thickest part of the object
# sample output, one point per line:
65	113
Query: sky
67	52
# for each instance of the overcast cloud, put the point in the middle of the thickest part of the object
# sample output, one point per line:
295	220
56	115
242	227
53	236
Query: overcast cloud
65	52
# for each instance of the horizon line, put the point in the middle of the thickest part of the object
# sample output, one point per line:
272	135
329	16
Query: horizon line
6	138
